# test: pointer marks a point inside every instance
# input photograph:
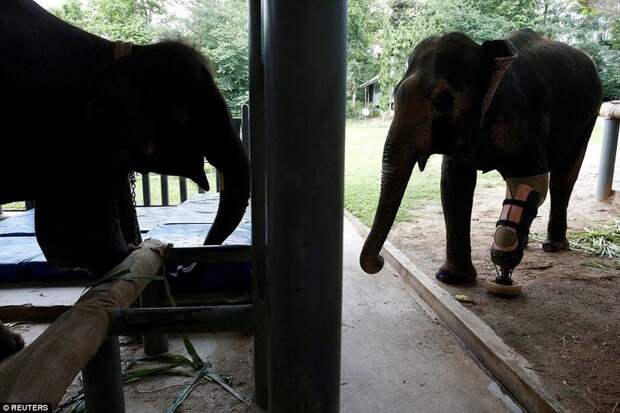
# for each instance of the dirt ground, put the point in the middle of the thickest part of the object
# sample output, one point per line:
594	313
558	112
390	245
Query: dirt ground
229	354
567	322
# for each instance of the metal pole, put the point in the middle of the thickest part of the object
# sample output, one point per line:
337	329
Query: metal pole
245	126
154	295
305	70
183	188
182	320
608	159
164	190
103	384
256	129
146	189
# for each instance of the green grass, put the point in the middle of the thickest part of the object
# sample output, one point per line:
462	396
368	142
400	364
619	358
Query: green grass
364	151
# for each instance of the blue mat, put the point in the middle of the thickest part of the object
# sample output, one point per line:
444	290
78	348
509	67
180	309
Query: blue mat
185	225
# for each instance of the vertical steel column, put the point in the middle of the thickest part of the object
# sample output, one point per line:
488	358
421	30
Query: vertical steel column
164	190
608	159
154	295
183	188
245	131
103	384
257	151
146	189
305	71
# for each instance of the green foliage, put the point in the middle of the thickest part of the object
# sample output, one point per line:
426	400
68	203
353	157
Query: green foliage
129	20
405	23
220	30
362	28
72	12
381	33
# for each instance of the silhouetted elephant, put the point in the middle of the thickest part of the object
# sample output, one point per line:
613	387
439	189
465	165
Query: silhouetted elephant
524	106
79	112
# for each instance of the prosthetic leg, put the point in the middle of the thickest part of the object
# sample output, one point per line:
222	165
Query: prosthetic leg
523	197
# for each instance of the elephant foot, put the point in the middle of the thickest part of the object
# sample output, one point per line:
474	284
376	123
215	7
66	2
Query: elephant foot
10	342
555	246
456	276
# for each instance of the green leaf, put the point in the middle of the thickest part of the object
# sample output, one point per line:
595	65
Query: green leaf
182	396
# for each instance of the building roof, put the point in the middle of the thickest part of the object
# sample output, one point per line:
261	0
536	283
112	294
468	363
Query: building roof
369	82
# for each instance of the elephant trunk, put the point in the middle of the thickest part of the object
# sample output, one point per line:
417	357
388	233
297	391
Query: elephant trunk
231	160
398	163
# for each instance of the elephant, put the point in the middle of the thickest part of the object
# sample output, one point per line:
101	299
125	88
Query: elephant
523	105
80	113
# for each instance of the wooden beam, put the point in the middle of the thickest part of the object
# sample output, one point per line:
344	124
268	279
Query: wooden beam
209	253
43	370
181	320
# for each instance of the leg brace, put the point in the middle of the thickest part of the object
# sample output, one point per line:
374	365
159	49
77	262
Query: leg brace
523	197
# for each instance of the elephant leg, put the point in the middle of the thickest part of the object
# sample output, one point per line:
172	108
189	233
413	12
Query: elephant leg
458	182
561	185
10	342
82	231
523	197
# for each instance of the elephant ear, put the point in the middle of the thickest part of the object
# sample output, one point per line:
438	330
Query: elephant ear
115	102
109	91
503	53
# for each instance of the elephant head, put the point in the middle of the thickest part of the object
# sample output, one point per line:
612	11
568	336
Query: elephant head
159	110
171	117
438	105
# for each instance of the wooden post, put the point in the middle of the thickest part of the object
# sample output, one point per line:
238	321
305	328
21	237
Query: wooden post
43	370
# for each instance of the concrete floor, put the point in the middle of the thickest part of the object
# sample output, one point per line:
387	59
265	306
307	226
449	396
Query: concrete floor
396	357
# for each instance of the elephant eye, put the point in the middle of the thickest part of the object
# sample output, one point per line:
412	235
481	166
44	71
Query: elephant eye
443	102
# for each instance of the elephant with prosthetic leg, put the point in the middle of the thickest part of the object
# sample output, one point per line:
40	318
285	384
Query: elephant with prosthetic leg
524	106
80	113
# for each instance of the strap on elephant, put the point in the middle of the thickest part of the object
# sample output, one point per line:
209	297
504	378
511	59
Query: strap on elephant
512	230
501	64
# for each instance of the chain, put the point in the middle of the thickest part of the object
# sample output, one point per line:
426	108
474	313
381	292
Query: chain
132	188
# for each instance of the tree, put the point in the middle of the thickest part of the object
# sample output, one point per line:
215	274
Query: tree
129	20
595	32
363	26
72	12
219	29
